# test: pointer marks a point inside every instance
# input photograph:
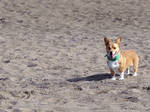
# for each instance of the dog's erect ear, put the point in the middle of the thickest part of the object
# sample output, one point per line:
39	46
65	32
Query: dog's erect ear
106	40
119	39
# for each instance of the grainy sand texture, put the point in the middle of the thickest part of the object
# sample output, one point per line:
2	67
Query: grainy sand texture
52	55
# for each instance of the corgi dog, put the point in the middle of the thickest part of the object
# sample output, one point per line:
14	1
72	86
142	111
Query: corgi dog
120	61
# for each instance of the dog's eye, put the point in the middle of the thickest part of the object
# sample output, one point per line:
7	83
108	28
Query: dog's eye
114	47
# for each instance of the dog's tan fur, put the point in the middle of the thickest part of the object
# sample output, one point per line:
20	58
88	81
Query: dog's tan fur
127	58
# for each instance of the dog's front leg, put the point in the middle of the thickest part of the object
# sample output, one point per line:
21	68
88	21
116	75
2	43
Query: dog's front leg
121	76
121	70
113	74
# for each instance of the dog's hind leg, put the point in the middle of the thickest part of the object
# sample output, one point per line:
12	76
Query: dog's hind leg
135	66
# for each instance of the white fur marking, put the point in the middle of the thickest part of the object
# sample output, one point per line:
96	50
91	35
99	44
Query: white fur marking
121	76
113	78
135	74
114	65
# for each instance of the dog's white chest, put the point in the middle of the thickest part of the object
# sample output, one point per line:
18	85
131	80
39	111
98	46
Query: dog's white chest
114	65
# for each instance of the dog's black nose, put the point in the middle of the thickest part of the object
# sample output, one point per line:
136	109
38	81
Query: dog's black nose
111	53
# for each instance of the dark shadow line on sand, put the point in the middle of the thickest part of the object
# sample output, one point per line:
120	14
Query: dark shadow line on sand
96	77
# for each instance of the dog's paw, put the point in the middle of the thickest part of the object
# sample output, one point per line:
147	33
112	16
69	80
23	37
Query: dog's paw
135	74
113	78
121	78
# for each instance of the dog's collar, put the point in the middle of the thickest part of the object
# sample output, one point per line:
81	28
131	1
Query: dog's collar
114	59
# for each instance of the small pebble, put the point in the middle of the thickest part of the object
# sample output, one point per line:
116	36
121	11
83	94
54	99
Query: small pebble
6	61
32	65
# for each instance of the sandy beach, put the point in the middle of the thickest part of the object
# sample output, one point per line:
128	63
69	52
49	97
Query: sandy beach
52	55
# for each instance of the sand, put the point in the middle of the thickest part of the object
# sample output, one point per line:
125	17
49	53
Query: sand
52	55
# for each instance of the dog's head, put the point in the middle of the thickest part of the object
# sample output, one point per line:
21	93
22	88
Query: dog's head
112	48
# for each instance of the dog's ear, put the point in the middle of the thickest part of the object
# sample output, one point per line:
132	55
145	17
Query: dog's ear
106	40
119	39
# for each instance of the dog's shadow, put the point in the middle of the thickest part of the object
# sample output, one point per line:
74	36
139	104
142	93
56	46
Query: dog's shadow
96	77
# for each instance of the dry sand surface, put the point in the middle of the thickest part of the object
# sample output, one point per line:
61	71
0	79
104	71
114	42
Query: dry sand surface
52	55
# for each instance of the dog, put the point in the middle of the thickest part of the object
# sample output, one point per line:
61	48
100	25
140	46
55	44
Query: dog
118	60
